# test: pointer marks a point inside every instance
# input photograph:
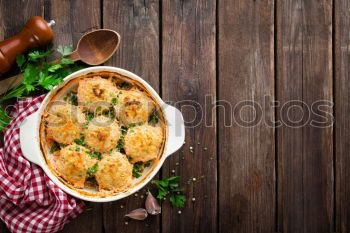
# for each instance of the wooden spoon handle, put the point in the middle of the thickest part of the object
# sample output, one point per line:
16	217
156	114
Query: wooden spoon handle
73	56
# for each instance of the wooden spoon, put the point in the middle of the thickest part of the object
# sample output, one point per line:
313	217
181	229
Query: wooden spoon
96	47
93	48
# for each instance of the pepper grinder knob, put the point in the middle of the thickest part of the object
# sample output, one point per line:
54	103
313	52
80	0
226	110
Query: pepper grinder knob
36	33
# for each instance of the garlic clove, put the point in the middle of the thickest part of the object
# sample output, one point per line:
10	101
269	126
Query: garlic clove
152	205
138	214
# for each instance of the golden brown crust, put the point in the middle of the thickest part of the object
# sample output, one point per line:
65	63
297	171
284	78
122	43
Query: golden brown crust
143	143
102	134
114	173
72	163
134	107
64	122
94	93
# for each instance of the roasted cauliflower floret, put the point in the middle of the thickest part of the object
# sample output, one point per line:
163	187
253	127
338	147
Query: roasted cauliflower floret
72	163
102	134
134	107
142	143
114	173
64	122
96	94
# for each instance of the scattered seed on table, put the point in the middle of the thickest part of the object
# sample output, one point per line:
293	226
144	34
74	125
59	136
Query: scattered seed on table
135	194
141	196
193	199
179	212
198	143
194	179
164	198
205	148
126	223
177	164
173	171
121	206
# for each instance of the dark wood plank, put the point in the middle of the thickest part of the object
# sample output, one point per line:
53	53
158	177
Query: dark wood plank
305	155
13	16
246	154
72	21
137	22
342	110
290	140
188	75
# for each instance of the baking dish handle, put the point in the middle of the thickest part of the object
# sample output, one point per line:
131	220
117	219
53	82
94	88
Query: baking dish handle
28	136
176	130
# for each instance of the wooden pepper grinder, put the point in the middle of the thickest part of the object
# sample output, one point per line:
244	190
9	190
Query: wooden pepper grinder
37	32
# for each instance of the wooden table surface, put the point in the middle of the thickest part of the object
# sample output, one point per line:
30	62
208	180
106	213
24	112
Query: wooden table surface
263	84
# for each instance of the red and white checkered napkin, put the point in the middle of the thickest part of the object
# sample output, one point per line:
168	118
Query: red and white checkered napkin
29	200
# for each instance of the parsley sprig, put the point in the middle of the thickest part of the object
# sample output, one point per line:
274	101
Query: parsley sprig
92	170
38	74
170	186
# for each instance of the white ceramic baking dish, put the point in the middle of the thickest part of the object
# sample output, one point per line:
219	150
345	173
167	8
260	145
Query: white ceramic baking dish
30	142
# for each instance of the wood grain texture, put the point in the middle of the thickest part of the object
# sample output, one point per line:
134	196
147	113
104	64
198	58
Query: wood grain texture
137	22
188	76
305	155
72	21
246	151
10	26
342	112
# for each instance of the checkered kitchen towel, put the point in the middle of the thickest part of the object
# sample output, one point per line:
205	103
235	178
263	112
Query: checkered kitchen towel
29	200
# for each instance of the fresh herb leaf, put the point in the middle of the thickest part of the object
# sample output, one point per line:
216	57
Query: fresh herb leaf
178	200
120	146
92	170
30	75
64	51
153	118
55	147
38	54
115	101
89	116
66	61
54	68
110	113
72	98
137	169
125	85
95	155
4	119
170	186
80	141
20	60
